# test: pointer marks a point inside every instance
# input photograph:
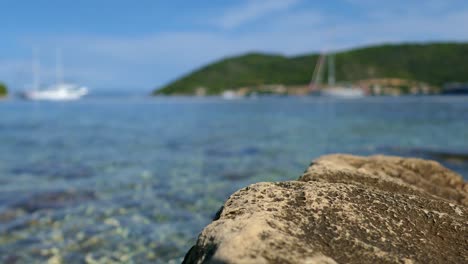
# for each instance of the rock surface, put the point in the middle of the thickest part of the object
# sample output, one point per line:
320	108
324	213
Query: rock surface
344	209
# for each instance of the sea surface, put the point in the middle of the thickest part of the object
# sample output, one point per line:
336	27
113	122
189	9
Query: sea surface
134	180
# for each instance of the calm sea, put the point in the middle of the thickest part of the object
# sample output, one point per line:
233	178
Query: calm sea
135	180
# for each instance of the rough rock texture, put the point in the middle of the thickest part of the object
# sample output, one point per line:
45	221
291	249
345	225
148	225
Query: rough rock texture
344	209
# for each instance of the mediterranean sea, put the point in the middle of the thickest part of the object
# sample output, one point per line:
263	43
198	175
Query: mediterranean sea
134	180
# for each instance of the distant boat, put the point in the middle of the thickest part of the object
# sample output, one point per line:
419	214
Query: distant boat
58	92
61	91
230	95
332	90
455	89
343	92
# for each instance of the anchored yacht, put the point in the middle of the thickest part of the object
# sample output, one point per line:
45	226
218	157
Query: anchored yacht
61	91
332	90
342	92
58	92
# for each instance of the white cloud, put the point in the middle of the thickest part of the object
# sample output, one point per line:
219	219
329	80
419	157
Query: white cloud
252	10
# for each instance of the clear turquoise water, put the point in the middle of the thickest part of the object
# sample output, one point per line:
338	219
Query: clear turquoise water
135	180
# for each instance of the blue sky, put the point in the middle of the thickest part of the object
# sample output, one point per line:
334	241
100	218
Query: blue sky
139	45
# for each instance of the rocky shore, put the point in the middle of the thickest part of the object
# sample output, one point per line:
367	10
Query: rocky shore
344	209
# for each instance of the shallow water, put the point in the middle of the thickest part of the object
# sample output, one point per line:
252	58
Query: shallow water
135	180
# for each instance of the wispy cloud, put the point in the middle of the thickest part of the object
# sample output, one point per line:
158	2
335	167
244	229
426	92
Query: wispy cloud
252	10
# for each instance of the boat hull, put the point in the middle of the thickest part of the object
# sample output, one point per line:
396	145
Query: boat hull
341	92
56	94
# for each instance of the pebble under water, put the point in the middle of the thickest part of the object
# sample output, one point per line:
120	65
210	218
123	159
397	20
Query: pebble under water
134	180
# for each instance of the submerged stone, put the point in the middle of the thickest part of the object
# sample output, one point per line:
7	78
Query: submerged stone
55	170
53	200
344	209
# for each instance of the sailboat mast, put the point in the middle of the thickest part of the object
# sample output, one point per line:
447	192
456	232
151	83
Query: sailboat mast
35	70
331	70
317	74
59	67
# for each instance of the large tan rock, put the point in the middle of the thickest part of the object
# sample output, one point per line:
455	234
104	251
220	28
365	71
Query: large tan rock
344	209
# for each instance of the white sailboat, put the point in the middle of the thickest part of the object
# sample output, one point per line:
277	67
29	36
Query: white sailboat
61	91
230	95
332	90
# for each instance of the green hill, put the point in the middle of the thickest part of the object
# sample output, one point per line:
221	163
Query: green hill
434	64
3	90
